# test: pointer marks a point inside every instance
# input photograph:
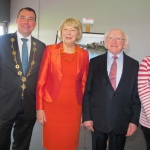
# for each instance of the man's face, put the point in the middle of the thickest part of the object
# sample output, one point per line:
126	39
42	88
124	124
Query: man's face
26	22
115	41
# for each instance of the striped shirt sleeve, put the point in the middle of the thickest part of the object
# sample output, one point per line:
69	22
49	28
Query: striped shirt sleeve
144	85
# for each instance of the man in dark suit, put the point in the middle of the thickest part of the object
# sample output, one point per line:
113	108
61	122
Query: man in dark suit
17	87
111	104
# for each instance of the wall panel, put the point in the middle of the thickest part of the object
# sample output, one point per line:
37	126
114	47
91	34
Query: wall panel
133	17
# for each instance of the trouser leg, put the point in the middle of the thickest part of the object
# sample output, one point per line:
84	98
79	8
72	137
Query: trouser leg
22	133
5	134
116	142
99	140
146	132
22	130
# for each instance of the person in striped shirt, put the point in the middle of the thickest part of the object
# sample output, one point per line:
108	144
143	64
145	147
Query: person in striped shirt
144	94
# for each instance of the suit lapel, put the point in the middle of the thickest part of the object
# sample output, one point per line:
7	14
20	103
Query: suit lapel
104	66
125	71
32	57
18	53
56	56
31	53
16	48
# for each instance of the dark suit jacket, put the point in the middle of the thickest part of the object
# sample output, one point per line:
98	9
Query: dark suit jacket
10	82
109	109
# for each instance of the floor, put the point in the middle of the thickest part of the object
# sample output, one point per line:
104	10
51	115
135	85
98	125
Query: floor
135	142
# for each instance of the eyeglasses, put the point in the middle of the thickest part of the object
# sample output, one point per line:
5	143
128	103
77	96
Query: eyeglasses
118	39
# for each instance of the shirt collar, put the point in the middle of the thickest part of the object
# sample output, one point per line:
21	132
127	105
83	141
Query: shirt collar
20	36
109	55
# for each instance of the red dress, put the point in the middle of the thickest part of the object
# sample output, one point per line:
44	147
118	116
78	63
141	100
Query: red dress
63	116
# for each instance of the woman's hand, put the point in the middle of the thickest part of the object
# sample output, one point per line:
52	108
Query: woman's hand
40	115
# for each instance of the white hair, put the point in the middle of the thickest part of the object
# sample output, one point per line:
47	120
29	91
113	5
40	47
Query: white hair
106	35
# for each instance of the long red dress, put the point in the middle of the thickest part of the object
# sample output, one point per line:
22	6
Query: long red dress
63	116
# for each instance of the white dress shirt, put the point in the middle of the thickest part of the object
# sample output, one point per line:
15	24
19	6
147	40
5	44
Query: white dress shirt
119	61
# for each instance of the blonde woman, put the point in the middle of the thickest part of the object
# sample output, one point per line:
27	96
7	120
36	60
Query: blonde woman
60	88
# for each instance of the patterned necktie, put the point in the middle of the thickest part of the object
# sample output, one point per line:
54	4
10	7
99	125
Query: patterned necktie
113	73
24	55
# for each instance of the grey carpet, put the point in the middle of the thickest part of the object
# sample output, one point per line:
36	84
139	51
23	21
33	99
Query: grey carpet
135	142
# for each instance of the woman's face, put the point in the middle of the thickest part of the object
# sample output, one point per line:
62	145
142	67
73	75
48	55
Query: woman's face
69	34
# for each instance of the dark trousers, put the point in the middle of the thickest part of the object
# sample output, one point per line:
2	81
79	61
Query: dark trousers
115	142
146	132
22	131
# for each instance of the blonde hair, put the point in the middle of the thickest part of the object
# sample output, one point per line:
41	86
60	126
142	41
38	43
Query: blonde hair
71	22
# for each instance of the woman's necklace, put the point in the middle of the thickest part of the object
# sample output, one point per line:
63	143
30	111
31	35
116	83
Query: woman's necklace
63	54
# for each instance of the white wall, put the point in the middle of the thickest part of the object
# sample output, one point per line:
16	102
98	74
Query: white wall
132	16
16	5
